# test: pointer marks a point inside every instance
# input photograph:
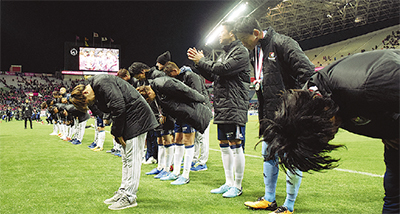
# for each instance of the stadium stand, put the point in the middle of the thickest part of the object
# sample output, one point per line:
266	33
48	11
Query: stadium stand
323	56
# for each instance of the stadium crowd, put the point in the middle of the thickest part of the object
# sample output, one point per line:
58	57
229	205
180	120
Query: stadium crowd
169	107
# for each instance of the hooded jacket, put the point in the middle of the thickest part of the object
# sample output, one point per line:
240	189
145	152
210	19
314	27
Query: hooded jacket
231	77
366	87
182	102
285	66
129	111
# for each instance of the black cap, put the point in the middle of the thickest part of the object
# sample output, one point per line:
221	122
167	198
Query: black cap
164	58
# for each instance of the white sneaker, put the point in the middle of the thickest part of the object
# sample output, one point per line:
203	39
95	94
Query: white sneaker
117	195
123	203
53	133
151	160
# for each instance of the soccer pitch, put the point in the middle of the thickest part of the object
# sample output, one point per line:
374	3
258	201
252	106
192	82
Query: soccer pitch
42	174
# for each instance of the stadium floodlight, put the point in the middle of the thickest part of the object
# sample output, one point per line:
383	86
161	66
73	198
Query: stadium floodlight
214	34
235	14
231	16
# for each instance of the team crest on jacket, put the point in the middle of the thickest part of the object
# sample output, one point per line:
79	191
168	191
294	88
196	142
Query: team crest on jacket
271	56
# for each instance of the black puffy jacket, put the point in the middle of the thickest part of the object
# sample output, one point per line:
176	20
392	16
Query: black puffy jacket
129	111
231	77
366	87
182	102
194	81
285	66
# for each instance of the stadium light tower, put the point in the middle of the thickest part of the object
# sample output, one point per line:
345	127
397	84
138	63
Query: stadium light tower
232	15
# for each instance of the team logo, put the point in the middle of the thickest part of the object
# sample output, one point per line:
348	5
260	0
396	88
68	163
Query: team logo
73	52
271	56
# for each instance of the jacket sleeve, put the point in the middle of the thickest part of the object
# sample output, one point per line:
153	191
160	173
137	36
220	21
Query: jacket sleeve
175	88
196	81
115	102
297	60
207	75
237	60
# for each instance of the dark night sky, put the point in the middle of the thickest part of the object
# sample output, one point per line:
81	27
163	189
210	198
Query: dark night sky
33	32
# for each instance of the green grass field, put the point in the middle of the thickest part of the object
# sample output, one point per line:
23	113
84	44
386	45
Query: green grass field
42	174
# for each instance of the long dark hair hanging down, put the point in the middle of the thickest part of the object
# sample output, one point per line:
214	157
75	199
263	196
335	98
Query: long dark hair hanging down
301	130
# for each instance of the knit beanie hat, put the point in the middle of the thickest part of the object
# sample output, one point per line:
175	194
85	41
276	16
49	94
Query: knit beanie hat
164	58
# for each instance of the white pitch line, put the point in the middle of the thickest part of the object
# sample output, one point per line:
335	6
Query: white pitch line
357	172
338	169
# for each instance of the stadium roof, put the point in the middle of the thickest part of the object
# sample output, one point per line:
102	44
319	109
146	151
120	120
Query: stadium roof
307	19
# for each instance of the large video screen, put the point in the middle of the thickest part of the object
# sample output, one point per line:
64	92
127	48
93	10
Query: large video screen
98	59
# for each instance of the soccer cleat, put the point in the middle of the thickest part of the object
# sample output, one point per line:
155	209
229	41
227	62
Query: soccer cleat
110	151
169	177
117	195
197	167
97	149
122	203
282	210
191	165
53	133
94	148
221	190
92	145
155	171
232	192
161	174
77	142
261	204
181	181
151	160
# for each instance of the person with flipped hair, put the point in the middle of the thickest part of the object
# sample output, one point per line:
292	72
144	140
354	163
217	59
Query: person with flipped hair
279	64
359	93
132	119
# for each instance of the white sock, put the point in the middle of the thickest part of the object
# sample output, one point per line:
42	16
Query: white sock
187	164
115	147
179	150
96	136
227	161
161	157
239	159
169	155
100	138
69	131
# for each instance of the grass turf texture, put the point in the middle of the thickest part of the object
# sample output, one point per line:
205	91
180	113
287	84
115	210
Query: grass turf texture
42	174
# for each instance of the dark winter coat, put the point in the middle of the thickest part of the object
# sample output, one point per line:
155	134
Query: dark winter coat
231	77
366	87
129	111
182	102
75	113
194	81
169	123
27	110
285	66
